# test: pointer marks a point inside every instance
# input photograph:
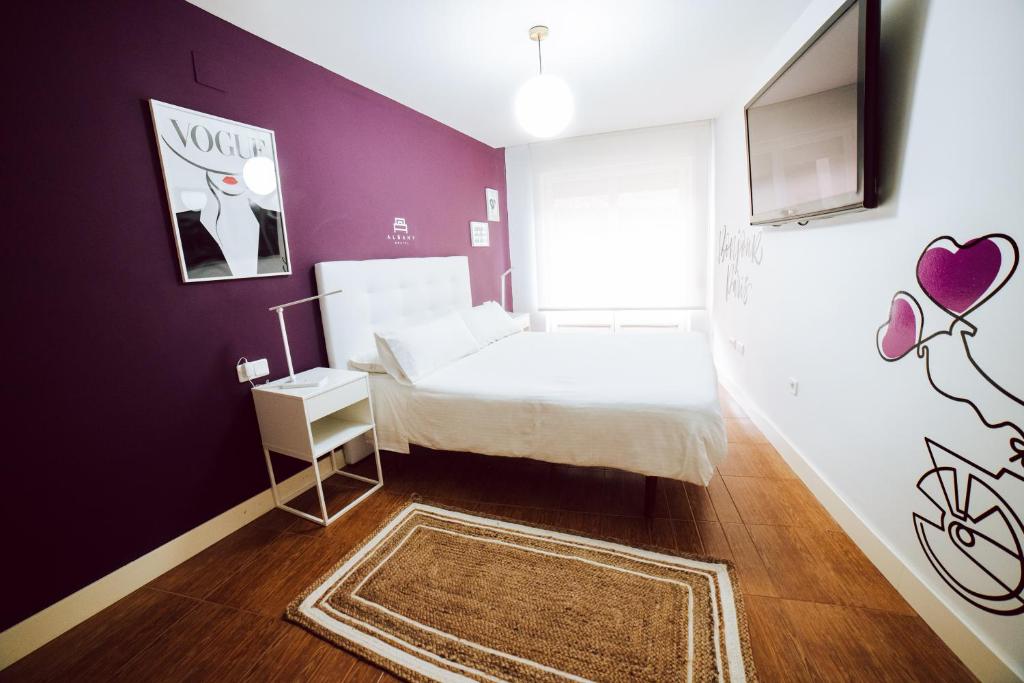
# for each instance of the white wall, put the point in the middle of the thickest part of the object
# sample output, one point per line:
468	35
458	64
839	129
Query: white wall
952	164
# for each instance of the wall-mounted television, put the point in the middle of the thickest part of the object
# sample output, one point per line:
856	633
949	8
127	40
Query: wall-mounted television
812	140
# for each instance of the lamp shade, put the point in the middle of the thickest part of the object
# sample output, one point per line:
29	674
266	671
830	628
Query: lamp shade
544	106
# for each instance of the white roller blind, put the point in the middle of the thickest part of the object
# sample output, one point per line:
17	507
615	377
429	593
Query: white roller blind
621	219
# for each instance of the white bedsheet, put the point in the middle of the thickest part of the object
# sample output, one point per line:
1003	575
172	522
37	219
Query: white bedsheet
642	403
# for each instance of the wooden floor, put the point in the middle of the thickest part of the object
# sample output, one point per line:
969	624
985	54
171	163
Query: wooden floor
818	609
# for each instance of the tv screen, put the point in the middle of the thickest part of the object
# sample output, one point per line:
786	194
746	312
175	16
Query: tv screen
811	141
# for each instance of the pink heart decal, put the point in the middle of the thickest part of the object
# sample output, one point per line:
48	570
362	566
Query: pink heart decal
958	277
902	331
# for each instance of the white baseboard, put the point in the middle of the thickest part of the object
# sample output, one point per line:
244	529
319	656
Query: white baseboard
969	646
42	627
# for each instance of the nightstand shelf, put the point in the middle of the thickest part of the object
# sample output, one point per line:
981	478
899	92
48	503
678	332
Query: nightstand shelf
329	433
311	422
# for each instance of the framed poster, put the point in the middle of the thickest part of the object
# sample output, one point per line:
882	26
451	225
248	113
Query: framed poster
479	234
493	210
224	192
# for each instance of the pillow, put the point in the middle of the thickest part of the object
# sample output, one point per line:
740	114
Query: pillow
367	361
412	353
489	322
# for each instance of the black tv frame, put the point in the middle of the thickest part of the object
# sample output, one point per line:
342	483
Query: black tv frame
867	118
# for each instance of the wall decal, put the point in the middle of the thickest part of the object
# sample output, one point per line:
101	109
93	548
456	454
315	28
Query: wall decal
974	542
901	333
224	192
399	234
972	536
735	248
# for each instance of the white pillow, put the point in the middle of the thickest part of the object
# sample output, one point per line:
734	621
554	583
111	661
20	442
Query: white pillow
367	361
412	353
489	322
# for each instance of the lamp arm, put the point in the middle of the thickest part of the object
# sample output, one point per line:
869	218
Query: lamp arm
284	338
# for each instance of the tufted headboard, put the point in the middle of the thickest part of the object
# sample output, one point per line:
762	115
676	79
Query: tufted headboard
386	294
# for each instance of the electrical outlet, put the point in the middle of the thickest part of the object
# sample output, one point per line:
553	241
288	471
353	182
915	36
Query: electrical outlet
252	369
794	386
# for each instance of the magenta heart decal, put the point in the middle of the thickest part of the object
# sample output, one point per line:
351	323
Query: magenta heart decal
902	331
959	277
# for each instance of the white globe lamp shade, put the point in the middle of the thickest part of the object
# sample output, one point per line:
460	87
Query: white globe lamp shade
544	106
259	175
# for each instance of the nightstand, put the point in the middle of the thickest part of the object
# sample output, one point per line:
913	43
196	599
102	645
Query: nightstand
310	423
523	320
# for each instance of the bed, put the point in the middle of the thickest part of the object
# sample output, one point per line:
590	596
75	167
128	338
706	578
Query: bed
641	403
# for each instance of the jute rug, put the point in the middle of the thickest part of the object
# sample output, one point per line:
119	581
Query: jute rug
441	595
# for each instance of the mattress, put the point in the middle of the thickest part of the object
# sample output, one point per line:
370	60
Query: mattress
641	403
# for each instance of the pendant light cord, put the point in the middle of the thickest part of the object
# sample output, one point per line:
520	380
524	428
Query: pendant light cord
540	58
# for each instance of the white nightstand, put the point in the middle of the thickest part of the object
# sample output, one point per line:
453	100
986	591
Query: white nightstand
307	424
522	319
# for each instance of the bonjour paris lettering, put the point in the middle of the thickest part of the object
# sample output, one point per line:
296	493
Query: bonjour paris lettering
737	249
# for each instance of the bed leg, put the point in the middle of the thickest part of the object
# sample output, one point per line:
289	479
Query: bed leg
650	495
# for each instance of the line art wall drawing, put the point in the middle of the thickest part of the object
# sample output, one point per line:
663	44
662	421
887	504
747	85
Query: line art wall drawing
970	533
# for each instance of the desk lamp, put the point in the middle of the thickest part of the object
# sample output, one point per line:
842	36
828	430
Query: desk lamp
291	383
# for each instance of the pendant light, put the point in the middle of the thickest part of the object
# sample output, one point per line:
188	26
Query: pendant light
544	104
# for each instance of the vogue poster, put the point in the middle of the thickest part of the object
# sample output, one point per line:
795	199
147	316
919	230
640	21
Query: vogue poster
224	192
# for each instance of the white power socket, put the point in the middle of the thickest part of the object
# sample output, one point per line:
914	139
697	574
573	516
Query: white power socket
253	369
794	386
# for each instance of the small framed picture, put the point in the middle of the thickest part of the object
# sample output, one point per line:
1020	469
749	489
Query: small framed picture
493	212
479	234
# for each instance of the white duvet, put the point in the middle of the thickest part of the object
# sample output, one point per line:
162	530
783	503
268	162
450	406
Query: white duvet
642	403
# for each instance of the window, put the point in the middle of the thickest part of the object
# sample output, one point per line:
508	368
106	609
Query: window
621	223
625	321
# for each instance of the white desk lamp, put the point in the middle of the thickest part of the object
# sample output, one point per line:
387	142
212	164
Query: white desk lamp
503	276
291	383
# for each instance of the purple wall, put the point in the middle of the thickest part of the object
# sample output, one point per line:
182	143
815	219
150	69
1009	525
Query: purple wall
130	426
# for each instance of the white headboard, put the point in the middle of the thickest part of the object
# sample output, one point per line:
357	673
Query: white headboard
386	294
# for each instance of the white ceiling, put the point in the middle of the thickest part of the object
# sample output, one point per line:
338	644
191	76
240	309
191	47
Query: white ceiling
629	63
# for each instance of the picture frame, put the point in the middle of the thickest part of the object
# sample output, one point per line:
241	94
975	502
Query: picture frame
493	205
223	186
479	234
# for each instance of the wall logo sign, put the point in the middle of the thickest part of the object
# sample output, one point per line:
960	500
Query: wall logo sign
968	531
399	234
224	192
739	249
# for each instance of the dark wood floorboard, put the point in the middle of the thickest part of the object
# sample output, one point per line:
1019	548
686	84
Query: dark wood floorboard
295	656
204	573
818	609
210	643
97	648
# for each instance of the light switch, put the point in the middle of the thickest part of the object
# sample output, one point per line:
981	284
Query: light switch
260	368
